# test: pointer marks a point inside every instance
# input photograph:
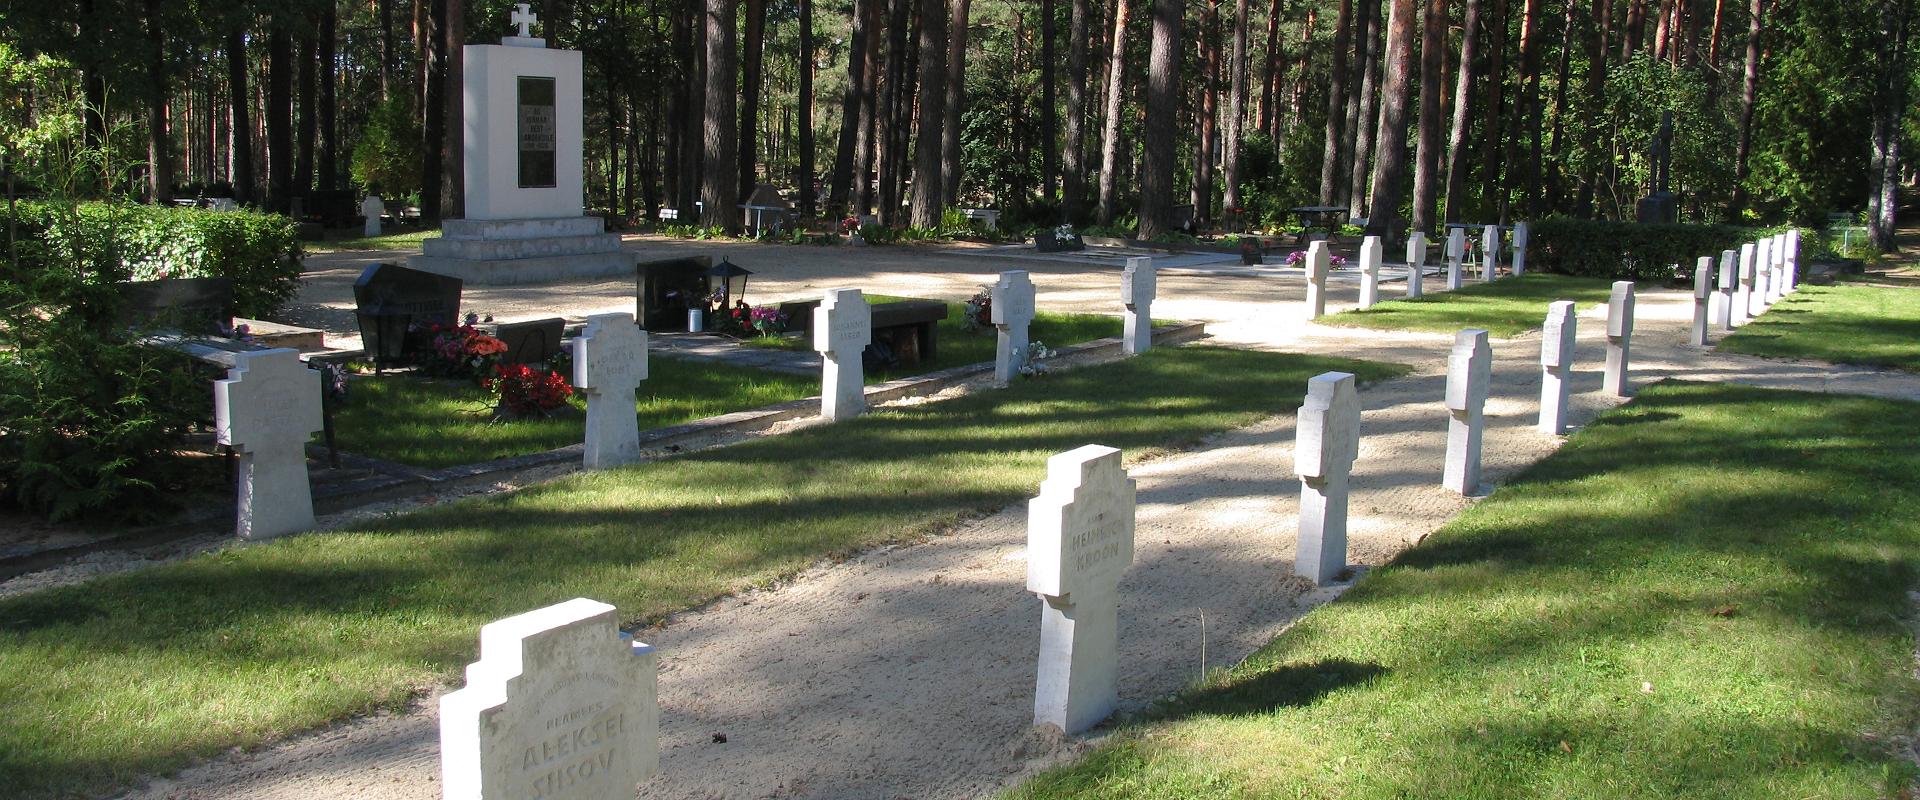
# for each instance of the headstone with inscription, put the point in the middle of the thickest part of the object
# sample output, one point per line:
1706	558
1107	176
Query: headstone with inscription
1520	248
842	327
1702	293
1489	251
1138	286
372	208
1456	254
561	704
1324	450
1729	277
266	409
1469	378
1012	312
609	363
1619	337
1079	543
1319	261
1416	262
1370	253
1556	365
390	300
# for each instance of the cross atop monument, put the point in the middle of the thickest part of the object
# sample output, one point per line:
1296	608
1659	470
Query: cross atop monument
524	17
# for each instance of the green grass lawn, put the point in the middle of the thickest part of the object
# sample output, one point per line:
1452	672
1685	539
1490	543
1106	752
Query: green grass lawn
1876	326
1506	307
441	423
404	240
1703	594
139	672
958	346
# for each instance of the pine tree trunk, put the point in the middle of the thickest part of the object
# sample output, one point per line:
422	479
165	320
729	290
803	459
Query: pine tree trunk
1074	182
329	101
1524	111
1596	85
893	97
1390	174
1110	137
434	111
950	163
1049	111
1426	160
453	197
309	128
383	10
1163	108
1755	20
159	143
840	187
718	181
1491	138
1236	110
866	148
1336	104
1889	105
1362	114
806	178
750	96
1457	165
279	118
1205	117
240	151
1267	119
927	181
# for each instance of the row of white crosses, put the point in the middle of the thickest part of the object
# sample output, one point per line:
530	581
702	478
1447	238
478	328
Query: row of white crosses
1372	253
1749	281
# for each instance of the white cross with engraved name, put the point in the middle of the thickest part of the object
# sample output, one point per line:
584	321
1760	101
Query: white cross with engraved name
842	329
266	409
1012	314
1080	534
1137	289
524	17
609	363
1326	444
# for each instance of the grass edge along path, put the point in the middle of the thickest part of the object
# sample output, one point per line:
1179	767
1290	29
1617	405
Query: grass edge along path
138	673
1869	326
1703	594
1505	308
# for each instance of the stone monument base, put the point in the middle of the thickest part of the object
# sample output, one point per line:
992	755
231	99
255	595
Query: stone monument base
514	251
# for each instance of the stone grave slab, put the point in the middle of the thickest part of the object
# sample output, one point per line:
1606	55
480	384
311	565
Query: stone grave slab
1702	293
1326	446
1416	263
1556	365
1012	313
1456	254
389	298
842	327
1319	263
1520	248
1080	533
1743	291
1469	379
372	208
266	409
666	289
1370	254
1138	286
1619	337
1729	278
609	363
1489	252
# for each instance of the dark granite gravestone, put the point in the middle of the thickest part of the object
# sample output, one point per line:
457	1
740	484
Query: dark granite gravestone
1252	252
907	329
202	306
529	342
664	290
390	298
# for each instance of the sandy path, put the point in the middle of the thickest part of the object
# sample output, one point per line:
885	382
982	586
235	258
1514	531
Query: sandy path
909	672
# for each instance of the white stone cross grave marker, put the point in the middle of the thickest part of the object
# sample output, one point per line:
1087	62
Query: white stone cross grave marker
1743	291
1469	378
1702	293
1762	269
1777	277
1520	248
523	17
842	328
1416	262
1619	337
560	705
1456	253
266	409
609	363
1323	454
1370	253
1012	313
1556	365
1319	261
372	208
1490	251
1729	277
1792	272
1079	543
1137	288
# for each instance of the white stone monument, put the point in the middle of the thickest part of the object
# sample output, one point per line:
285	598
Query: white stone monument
609	363
266	409
560	705
1137	288
1729	278
1370	253
842	329
1012	312
1416	263
1743	291
1489	251
1079	543
1520	248
1702	293
1469	378
1619	337
1456	253
372	208
523	170
1319	261
1556	365
1323	454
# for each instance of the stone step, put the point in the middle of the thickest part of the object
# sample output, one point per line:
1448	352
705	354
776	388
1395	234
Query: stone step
497	249
521	228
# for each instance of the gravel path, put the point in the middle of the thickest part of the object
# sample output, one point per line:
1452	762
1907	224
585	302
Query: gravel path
909	672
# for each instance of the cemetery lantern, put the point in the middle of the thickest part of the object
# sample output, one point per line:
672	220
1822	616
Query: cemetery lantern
726	283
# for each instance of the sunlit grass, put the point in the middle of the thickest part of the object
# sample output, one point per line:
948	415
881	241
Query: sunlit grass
1704	594
405	240
1506	307
140	672
1875	326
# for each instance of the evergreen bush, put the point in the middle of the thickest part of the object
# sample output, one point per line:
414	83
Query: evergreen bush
1626	250
259	252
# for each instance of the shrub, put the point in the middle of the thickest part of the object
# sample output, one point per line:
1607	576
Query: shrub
522	391
1626	250
259	252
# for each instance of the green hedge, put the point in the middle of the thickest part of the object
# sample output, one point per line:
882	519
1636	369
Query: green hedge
259	252
1628	250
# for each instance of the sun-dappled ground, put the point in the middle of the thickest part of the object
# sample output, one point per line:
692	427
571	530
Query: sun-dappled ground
1703	594
1847	323
1504	308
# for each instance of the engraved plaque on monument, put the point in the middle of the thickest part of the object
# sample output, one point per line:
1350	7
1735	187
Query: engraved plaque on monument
536	127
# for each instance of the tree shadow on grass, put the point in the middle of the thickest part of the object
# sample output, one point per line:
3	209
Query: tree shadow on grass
1280	687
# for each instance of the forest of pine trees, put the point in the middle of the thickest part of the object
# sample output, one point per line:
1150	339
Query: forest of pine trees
1107	112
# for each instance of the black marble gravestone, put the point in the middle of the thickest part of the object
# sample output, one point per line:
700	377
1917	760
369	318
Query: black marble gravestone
390	298
664	291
